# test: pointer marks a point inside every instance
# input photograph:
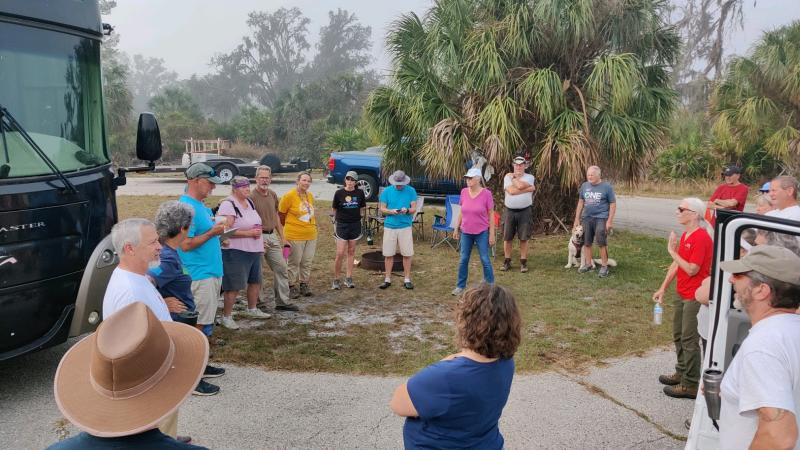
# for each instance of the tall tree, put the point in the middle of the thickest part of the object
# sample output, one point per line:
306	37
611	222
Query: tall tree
175	99
149	76
570	82
220	95
343	48
272	57
704	26
756	106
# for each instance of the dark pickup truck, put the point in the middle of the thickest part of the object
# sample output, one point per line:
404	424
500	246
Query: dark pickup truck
367	164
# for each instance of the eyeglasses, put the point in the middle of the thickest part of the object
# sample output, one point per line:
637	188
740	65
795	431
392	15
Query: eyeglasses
682	209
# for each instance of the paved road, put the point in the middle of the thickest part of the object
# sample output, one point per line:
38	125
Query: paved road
620	406
654	216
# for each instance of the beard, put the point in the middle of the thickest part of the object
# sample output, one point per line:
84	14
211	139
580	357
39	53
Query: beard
741	300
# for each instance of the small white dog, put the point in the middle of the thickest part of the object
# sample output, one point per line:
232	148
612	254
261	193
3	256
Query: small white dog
574	247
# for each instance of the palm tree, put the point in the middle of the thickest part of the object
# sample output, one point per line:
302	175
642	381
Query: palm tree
756	106
571	83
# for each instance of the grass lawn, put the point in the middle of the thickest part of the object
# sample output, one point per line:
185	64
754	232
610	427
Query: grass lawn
569	320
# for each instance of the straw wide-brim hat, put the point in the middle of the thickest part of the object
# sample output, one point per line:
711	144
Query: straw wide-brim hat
132	373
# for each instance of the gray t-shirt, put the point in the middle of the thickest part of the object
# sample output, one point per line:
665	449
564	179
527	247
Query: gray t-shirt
596	199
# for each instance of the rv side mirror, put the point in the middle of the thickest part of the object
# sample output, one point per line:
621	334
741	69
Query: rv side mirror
148	138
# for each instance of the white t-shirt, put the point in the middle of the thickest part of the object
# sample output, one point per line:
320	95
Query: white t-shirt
126	287
791	213
518	201
764	373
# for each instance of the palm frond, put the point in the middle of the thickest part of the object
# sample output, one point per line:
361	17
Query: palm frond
542	92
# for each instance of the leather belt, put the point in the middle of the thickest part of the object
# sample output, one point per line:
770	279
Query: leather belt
267	232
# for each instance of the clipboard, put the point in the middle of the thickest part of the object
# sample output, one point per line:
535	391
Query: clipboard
228	233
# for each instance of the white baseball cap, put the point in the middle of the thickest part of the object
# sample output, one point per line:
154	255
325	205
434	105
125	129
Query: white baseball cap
474	172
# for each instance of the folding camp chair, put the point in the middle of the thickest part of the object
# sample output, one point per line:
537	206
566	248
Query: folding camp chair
418	221
443	226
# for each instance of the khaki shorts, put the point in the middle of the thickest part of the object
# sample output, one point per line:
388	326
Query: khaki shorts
398	237
206	296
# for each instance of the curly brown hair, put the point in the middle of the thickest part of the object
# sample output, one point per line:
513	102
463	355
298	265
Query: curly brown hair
488	321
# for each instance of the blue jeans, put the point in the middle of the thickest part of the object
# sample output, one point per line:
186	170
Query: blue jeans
481	240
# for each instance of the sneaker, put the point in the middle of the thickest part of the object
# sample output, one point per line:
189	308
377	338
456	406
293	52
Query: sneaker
603	272
184	439
584	269
287	307
670	380
294	292
687	424
213	372
408	285
680	391
305	291
348	283
336	285
523	267
457	291
506	265
256	313
385	284
229	323
205	388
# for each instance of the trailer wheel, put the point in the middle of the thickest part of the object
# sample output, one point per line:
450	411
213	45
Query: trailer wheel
273	161
226	172
368	184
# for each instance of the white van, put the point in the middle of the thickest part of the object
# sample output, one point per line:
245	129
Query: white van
727	325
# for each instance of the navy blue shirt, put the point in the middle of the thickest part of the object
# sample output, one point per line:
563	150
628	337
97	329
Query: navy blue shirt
459	403
172	279
152	439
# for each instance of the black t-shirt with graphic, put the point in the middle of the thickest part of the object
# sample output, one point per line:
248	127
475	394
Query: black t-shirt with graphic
348	205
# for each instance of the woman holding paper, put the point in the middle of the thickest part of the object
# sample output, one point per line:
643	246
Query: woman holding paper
241	259
298	216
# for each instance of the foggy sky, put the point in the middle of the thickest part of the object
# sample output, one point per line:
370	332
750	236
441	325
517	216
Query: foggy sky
187	33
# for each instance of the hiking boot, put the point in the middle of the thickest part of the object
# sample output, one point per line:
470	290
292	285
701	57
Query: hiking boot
385	284
506	265
408	285
213	372
670	380
457	291
287	307
229	323
336	285
294	292
523	265
603	272
205	388
305	291
680	391
584	269
256	313
348	283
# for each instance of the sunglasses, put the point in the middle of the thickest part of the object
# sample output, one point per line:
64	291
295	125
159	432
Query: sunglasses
681	209
349	178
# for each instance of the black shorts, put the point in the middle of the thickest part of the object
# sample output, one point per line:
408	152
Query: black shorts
594	230
518	222
348	231
240	268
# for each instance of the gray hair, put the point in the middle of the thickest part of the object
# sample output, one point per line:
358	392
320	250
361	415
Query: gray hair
129	231
264	168
172	217
787	182
594	169
699	207
238	179
784	295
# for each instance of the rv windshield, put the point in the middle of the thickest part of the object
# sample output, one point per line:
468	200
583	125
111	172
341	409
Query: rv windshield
50	82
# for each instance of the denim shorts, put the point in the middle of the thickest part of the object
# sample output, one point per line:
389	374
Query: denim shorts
240	268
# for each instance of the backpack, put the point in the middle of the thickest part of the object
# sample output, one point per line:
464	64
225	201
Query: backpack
235	209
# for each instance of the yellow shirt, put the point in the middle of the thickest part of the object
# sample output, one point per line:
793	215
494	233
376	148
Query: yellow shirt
301	220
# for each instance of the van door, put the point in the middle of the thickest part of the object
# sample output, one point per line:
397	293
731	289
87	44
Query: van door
734	234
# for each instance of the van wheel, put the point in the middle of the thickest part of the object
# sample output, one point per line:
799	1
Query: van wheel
370	187
226	172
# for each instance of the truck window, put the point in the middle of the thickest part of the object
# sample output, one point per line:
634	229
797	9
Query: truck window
50	82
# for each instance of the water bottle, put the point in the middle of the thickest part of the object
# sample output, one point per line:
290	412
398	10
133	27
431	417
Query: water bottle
658	311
